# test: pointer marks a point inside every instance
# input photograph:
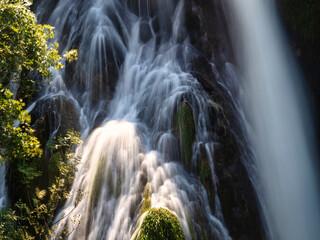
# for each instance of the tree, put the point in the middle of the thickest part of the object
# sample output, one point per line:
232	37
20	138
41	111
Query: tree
24	54
24	49
35	218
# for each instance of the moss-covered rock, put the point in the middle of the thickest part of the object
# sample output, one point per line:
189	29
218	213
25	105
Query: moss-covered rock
146	202
160	223
206	180
98	183
185	130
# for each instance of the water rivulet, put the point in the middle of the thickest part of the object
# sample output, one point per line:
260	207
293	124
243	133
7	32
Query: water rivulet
3	188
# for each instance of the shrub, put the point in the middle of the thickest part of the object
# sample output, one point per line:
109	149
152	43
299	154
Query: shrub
160	223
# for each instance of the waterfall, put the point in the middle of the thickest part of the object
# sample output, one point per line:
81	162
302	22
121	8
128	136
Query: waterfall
3	187
279	125
131	78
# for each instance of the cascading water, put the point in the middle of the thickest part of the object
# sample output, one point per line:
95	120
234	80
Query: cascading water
282	131
3	187
143	46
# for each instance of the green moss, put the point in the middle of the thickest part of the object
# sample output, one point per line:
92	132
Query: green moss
184	127
98	182
206	180
205	173
160	223
146	204
191	227
204	236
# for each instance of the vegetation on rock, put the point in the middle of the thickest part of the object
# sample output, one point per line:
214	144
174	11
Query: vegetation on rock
185	130
206	180
160	223
146	203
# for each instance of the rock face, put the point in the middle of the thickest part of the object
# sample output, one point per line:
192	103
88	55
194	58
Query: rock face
206	24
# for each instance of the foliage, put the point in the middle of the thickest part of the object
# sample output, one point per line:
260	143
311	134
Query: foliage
71	55
8	227
15	142
34	220
304	17
24	49
185	130
18	146
160	223
24	54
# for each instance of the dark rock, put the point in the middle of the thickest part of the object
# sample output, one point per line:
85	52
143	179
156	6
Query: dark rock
238	199
50	5
145	31
54	116
208	31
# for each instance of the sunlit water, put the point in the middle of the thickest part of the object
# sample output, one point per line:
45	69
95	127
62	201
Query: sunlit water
281	132
134	145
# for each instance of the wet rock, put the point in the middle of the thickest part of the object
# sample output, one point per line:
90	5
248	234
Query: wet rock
208	31
184	128
145	31
54	116
51	4
238	201
206	178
